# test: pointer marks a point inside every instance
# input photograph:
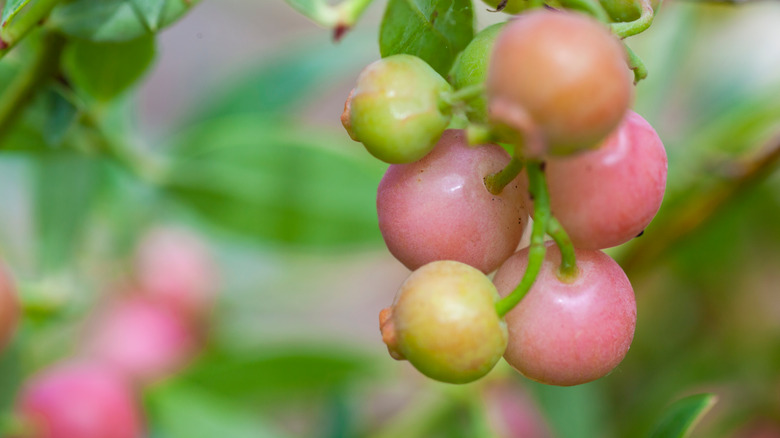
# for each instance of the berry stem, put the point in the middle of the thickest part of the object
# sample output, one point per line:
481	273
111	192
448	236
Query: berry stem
465	94
17	27
21	90
590	7
478	134
537	249
624	30
568	270
635	64
495	182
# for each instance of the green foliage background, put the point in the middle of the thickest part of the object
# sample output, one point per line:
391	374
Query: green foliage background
256	162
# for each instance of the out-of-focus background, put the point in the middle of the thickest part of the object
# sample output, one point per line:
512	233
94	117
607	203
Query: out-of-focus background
246	98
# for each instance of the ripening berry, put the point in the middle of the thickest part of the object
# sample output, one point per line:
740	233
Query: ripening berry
140	339
559	76
607	196
439	209
396	109
471	69
79	401
174	268
9	309
568	333
444	322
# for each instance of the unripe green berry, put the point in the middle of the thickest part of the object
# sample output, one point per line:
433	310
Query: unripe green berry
471	69
622	10
626	10
511	7
445	323
395	109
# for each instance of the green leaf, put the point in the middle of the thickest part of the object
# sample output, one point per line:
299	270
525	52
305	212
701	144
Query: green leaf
104	70
679	419
316	10
179	411
434	30
66	185
12	7
151	11
283	184
117	20
574	412
279	370
286	81
61	113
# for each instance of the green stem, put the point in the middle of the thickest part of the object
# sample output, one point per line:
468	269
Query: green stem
635	64
537	249
568	270
590	7
465	94
19	26
495	182
351	10
479	134
21	90
138	163
624	30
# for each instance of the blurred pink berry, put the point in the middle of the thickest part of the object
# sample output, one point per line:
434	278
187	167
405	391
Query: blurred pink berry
511	412
144	341
175	268
9	308
79	401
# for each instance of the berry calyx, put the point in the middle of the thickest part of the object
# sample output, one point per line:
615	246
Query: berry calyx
396	109
568	332
439	208
558	78
443	321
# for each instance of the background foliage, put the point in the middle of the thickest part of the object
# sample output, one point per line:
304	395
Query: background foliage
227	122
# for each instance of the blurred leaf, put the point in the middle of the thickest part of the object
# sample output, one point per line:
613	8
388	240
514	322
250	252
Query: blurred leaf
574	412
434	30
12	7
116	20
104	70
679	419
151	11
66	185
61	114
278	183
277	370
10	375
316	10
179	411
288	80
